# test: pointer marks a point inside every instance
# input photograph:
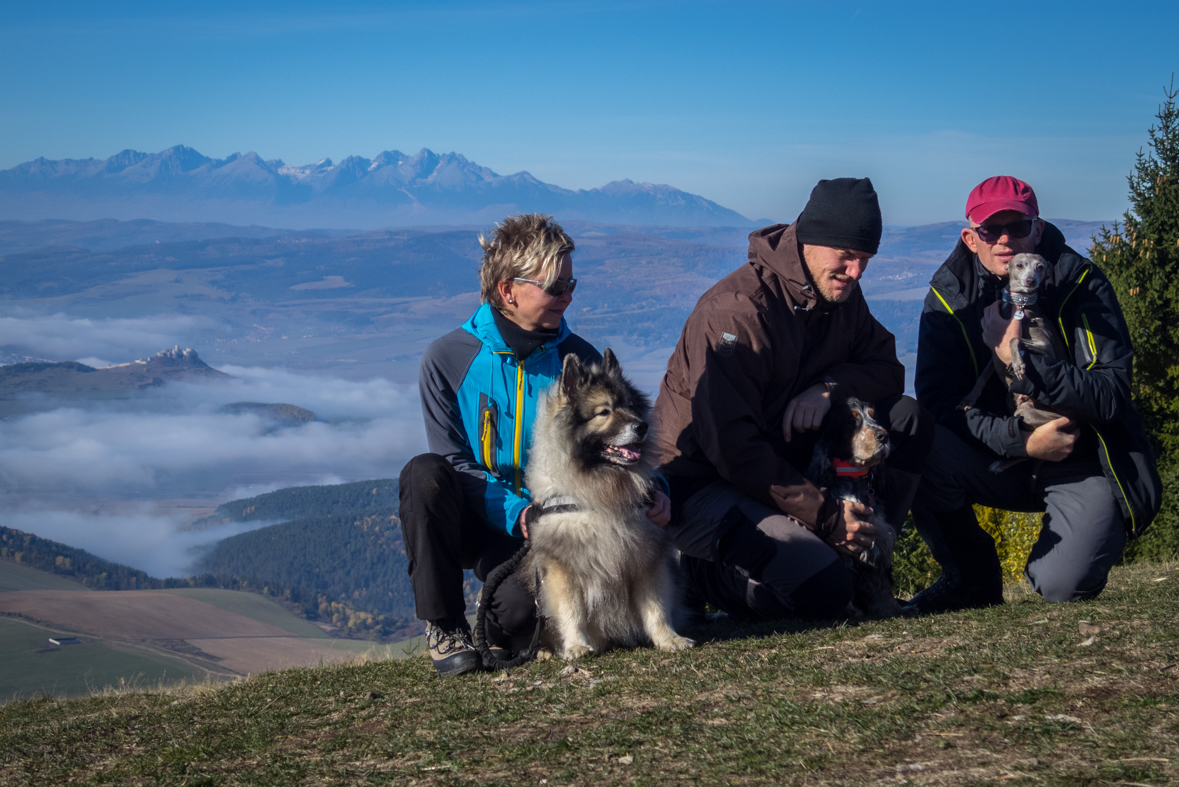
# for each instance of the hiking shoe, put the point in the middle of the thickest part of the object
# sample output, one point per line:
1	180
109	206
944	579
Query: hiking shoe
452	652
946	595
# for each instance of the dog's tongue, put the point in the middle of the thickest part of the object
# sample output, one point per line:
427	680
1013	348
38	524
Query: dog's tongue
625	453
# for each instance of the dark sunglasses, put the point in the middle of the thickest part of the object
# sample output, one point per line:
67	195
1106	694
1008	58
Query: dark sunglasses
989	233
559	286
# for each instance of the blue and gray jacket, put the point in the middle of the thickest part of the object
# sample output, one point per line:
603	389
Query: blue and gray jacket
479	402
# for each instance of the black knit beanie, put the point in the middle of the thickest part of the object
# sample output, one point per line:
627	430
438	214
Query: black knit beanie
843	213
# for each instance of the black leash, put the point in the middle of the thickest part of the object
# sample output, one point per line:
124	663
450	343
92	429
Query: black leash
494	579
557	505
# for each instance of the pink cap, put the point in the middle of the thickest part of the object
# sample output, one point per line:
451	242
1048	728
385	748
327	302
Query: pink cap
1002	192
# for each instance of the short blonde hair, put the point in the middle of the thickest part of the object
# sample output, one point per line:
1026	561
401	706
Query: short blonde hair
524	246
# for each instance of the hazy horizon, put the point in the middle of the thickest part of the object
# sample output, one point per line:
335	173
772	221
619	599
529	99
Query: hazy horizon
745	104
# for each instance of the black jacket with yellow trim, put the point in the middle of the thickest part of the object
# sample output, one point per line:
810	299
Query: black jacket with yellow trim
1093	384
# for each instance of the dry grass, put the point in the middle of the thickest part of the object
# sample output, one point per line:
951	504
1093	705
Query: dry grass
1079	694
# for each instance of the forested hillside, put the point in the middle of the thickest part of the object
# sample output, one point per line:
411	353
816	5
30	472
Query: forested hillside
306	502
355	564
92	571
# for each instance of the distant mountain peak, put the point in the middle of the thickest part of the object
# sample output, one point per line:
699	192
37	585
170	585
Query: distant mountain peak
392	189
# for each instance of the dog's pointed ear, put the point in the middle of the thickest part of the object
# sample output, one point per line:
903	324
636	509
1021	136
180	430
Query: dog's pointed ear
570	375
610	363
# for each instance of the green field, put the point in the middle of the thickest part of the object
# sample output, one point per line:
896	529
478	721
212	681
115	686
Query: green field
14	576
254	606
77	670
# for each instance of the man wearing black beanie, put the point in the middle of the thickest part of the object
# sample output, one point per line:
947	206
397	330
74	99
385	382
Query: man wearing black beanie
745	392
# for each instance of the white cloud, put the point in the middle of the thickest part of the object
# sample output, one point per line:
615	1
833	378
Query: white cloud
76	452
57	467
61	337
328	397
139	538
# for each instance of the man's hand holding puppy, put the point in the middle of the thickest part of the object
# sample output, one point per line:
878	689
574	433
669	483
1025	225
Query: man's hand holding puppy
853	532
1053	441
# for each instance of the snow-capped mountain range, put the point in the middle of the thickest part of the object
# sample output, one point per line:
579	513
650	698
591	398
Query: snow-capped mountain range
392	189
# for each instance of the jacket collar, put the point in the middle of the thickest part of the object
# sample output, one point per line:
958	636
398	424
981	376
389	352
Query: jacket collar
776	249
962	279
482	325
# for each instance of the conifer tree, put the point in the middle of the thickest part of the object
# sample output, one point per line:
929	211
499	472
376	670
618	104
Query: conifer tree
1141	258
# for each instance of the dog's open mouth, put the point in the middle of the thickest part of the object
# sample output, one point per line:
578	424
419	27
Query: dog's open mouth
622	454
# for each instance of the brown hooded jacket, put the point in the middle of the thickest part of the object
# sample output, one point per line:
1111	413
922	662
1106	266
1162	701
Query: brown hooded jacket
757	339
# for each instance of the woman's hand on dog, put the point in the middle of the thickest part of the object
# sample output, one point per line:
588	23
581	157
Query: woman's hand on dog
523	523
854	533
806	411
660	511
998	333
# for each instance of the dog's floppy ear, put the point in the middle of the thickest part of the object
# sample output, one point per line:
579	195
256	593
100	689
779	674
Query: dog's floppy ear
610	363
570	375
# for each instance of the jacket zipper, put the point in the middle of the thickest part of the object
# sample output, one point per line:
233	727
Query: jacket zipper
519	423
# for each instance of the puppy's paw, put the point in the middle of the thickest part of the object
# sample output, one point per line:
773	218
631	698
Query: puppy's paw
672	644
575	651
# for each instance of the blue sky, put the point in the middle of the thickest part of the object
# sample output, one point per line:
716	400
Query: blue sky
747	104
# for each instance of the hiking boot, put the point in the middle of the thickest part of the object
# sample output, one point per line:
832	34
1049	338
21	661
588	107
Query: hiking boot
946	595
452	652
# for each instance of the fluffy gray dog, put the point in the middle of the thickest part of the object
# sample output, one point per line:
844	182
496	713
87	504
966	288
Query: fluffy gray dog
601	571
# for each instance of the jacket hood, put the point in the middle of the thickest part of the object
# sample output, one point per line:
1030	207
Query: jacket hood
962	274
482	325
776	249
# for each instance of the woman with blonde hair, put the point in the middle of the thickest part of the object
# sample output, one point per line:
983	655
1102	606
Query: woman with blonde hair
463	504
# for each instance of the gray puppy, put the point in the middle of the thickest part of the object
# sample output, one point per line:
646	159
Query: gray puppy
1037	335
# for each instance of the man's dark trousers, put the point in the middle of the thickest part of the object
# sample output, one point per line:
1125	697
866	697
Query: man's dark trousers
768	566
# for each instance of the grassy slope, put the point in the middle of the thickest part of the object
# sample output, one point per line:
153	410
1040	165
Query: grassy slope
14	576
93	666
30	666
254	606
1011	694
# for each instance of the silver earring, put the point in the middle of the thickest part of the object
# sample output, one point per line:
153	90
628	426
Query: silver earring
511	301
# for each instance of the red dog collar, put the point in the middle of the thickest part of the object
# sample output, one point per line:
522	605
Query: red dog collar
847	470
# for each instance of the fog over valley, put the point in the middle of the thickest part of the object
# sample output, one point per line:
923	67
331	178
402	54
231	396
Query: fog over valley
125	478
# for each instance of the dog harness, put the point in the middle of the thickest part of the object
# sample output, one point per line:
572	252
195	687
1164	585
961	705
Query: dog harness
554	505
1019	300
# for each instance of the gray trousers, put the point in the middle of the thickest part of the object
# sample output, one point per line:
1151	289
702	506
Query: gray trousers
1082	535
764	556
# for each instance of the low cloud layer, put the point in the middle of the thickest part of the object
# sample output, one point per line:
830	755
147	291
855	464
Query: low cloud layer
140	538
86	474
60	337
